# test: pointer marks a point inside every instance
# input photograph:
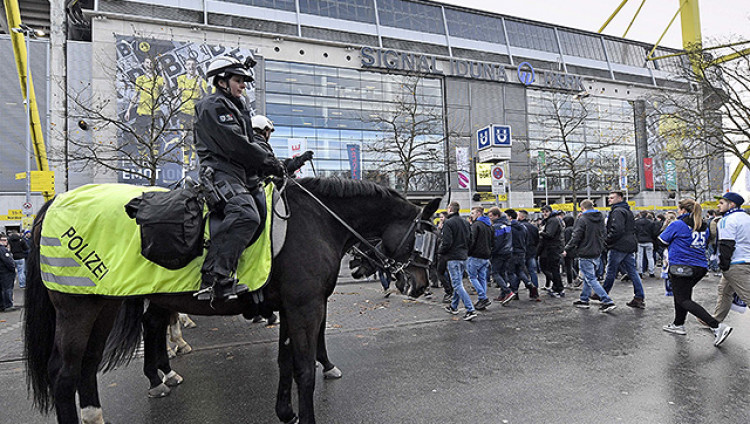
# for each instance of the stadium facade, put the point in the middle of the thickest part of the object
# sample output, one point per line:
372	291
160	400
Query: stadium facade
348	78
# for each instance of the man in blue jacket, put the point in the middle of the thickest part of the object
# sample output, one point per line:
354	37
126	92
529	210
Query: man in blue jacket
478	264
622	246
516	268
502	249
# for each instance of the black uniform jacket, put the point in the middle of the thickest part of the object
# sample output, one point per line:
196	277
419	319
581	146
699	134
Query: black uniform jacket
224	139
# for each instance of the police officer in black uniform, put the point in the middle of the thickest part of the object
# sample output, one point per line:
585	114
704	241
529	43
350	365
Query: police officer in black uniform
235	161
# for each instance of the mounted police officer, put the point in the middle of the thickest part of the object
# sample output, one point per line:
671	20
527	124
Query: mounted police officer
233	160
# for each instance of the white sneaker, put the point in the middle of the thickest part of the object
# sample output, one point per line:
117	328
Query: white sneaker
721	332
675	329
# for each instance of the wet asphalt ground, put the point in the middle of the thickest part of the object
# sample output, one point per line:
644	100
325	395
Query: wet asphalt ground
406	361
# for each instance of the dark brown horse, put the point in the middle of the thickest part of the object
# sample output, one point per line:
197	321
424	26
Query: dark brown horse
66	335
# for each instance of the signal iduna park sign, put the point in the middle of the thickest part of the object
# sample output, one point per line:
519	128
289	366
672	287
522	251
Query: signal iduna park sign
373	57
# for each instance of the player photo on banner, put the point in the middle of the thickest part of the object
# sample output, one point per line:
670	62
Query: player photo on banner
158	84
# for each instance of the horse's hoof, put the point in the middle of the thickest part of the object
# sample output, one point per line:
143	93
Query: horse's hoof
159	391
183	350
294	420
171	354
173	379
91	415
332	374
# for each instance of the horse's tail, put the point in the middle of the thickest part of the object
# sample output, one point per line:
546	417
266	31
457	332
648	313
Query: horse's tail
125	336
39	323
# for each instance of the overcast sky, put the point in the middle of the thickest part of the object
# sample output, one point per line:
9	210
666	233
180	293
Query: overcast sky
720	19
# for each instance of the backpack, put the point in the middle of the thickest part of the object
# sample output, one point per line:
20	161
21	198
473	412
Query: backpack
171	225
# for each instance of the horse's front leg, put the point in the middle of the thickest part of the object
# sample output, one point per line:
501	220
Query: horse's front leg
284	409
304	327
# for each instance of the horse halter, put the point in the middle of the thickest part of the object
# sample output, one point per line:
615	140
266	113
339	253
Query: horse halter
422	253
421	256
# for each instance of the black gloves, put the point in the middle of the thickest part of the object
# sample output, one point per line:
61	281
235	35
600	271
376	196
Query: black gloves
278	169
295	163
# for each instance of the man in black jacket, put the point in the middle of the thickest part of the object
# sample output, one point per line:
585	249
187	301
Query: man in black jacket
7	276
587	243
454	248
236	160
478	264
532	240
622	246
550	248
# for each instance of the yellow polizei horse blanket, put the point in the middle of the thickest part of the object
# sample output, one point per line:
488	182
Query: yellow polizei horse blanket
90	245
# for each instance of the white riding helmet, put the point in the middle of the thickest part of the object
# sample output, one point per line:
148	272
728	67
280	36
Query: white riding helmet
225	66
261	123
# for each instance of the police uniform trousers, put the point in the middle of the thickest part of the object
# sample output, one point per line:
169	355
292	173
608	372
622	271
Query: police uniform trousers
242	215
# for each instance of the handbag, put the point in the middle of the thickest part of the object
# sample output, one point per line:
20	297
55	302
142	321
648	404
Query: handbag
681	270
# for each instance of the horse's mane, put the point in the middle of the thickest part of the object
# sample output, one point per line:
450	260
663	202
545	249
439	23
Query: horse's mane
344	188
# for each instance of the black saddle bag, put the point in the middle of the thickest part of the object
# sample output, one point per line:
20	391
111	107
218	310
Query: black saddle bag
171	224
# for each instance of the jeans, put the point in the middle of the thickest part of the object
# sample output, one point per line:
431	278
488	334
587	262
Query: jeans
477	269
627	260
532	268
588	268
456	271
21	272
384	280
516	273
499	264
6	291
683	302
713	258
648	250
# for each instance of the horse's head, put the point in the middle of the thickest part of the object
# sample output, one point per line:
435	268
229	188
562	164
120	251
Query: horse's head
412	244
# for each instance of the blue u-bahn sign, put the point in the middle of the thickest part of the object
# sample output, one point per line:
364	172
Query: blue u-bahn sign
483	138
494	143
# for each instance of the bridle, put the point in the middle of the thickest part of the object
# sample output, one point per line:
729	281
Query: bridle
421	256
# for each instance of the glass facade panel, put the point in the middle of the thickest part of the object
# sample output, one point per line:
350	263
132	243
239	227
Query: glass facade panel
287	5
581	45
350	10
597	131
409	15
626	54
331	108
474	26
530	36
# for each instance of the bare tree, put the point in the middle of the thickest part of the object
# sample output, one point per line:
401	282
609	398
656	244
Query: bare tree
413	137
576	155
683	144
717	114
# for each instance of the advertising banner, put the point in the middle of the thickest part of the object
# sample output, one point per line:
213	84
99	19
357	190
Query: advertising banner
648	172
670	174
463	165
541	165
355	160
158	84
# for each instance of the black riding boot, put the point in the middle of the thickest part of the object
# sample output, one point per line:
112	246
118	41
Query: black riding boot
217	287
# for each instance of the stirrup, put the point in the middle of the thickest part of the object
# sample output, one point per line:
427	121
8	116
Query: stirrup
204	294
